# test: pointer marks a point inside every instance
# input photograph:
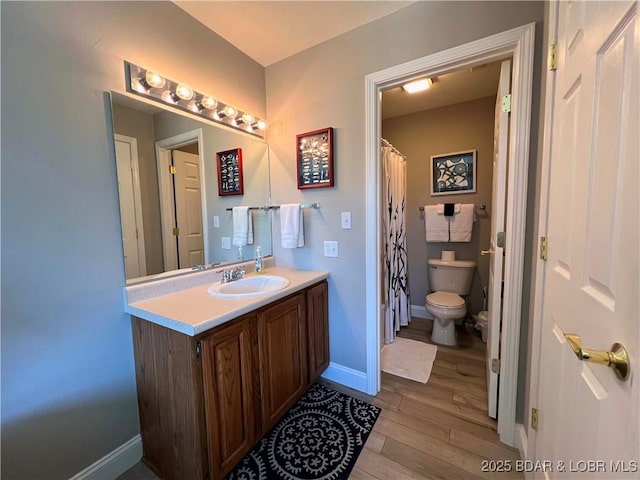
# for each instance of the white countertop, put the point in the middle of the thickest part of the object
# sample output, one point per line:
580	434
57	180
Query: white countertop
191	310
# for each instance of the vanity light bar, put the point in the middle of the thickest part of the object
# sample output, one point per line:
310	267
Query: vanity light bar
152	85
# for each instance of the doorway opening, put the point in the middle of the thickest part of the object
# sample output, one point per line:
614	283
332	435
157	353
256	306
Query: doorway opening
182	200
517	44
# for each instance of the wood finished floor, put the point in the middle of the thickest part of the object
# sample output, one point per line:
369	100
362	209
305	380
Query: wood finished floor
437	430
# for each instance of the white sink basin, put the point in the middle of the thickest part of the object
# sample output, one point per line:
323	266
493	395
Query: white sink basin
248	287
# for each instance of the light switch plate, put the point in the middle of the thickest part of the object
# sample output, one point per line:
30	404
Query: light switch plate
216	221
346	220
330	248
226	243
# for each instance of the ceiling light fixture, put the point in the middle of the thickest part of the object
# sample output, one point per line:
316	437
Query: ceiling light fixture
152	85
417	85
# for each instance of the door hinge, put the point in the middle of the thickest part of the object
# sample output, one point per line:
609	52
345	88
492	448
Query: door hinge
501	239
544	245
534	418
176	231
506	103
172	169
495	365
198	349
552	59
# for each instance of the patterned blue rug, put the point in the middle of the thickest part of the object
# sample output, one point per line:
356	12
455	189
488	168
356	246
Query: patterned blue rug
319	438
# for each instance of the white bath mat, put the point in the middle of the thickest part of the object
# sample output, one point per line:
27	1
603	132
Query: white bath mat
408	359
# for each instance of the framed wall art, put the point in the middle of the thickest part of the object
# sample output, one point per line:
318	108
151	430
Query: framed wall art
314	158
453	173
229	165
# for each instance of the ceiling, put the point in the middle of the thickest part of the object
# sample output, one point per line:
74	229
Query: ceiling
270	31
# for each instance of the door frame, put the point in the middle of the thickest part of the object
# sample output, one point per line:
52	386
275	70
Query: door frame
167	200
517	43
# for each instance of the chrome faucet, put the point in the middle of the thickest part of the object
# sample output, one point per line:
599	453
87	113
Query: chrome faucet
231	274
205	266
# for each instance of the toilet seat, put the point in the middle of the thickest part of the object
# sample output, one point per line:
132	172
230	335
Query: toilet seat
445	299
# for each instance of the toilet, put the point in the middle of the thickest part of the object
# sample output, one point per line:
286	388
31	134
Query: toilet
448	280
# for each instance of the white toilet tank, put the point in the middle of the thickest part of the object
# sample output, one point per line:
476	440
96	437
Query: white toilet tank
453	276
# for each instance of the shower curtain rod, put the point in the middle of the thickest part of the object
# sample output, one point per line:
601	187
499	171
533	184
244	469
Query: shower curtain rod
386	143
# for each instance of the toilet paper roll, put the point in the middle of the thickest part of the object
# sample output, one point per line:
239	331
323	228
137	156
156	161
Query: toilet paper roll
448	255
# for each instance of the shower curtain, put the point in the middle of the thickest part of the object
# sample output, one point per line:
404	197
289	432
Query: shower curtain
396	284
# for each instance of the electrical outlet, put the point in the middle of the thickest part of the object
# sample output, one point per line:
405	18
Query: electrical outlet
330	248
346	220
226	243
216	221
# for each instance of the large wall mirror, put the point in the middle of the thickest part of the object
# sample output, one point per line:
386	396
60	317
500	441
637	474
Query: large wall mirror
173	216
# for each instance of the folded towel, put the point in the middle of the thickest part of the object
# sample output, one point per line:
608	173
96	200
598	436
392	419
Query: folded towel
461	224
436	226
449	209
242	226
456	208
291	226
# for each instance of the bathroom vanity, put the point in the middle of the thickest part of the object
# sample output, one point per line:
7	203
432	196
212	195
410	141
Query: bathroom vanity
215	374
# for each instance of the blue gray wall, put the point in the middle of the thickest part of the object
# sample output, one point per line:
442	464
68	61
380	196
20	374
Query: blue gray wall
68	382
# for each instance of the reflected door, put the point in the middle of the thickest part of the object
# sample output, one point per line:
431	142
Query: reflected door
130	206
188	209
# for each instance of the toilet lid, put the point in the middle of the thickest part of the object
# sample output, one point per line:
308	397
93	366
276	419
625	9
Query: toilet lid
445	299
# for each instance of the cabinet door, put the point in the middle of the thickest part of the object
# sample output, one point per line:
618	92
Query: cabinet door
283	357
228	364
318	329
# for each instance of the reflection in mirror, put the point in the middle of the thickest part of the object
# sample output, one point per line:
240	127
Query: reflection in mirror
172	215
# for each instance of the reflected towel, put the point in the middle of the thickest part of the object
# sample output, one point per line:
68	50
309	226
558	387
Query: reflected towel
436	226
461	224
291	226
242	226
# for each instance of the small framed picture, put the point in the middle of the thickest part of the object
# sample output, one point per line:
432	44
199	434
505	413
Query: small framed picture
453	173
229	165
314	155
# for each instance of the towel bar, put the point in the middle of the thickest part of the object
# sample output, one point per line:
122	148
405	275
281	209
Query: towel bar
315	205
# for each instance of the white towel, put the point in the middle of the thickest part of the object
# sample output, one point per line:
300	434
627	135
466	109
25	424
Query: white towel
242	226
436	226
461	224
291	226
456	208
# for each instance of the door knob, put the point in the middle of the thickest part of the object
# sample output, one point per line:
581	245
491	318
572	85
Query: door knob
486	252
617	358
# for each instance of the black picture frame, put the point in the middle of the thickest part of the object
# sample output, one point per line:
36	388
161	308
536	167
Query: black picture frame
230	178
314	159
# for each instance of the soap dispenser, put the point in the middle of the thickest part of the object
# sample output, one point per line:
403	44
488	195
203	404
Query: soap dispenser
258	260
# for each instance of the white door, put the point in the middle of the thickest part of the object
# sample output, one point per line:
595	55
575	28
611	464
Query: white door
130	206
496	251
188	209
592	276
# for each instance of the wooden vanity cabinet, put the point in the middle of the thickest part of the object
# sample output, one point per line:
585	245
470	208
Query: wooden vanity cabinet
283	357
228	366
205	401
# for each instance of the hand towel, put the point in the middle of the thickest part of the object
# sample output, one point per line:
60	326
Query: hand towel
461	224
449	209
291	226
436	226
242	226
456	208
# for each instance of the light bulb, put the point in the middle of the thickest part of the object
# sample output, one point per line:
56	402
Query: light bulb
184	91
168	97
208	102
261	125
229	111
154	79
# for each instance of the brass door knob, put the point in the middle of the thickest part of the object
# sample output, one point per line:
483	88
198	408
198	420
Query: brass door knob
486	252
617	358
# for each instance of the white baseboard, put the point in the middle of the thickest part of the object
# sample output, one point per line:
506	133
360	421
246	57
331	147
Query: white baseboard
346	376
114	464
419	311
521	440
